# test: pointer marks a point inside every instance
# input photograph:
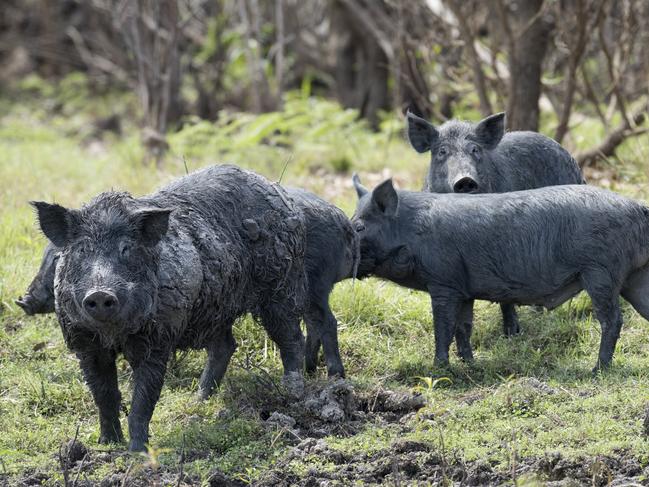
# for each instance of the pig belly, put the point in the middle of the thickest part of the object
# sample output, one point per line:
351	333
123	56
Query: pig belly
548	297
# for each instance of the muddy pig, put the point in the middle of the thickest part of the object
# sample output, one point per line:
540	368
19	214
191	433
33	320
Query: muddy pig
482	158
331	256
533	247
173	270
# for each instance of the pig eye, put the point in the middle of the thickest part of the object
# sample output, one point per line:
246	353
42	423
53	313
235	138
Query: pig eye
442	151
359	226
124	249
475	150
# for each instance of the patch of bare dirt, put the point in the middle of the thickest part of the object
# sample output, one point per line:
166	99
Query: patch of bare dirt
415	463
336	408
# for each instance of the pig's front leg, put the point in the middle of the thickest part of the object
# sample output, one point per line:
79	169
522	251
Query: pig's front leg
148	377
446	311
100	372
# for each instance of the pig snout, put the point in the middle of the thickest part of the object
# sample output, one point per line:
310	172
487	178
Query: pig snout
38	299
26	303
101	304
465	184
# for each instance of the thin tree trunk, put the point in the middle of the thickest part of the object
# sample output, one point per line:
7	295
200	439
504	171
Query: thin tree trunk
479	79
279	58
528	35
260	88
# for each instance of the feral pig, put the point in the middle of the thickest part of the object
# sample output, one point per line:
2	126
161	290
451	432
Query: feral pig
331	255
173	270
482	158
534	247
39	297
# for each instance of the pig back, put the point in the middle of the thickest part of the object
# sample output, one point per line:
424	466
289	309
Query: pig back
332	244
538	239
528	160
250	237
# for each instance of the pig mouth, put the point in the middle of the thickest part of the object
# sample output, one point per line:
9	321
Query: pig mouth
129	320
365	267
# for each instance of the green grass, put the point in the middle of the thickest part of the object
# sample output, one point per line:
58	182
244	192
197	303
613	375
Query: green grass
488	409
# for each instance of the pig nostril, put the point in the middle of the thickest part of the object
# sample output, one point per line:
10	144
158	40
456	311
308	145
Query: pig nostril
108	303
92	304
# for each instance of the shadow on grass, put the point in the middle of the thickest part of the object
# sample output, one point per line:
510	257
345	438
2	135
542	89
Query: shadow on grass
559	346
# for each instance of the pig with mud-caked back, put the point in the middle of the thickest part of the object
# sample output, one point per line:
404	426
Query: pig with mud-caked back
533	247
174	270
331	255
483	158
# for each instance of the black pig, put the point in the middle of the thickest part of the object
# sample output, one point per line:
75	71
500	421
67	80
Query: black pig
331	254
534	247
145	276
482	158
39	297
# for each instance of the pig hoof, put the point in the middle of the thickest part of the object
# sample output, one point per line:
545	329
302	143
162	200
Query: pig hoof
466	357
294	384
310	367
512	329
107	439
136	446
442	364
204	394
600	368
336	373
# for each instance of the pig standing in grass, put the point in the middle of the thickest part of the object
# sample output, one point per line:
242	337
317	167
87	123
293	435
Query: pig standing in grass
39	297
146	276
482	158
534	247
331	256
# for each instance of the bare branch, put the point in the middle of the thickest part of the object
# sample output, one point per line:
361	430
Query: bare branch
584	26
476	65
613	140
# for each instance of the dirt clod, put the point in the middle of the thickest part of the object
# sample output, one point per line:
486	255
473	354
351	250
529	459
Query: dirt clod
293	382
334	404
393	401
280	420
219	479
73	451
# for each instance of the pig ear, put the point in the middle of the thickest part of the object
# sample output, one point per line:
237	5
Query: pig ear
153	223
360	189
490	130
56	222
421	133
385	198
